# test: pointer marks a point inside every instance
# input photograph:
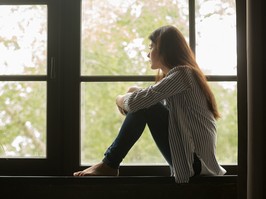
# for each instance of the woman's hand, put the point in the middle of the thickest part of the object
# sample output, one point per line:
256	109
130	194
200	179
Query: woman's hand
120	99
133	88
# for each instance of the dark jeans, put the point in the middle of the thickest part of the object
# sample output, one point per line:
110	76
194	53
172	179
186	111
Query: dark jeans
156	117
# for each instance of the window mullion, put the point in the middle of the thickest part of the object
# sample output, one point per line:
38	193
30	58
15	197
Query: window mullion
192	25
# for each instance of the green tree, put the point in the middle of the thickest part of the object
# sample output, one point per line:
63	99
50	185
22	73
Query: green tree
23	104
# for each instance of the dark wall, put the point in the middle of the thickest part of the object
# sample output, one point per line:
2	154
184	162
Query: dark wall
256	81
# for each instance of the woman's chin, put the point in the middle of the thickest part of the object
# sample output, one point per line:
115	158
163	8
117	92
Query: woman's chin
154	67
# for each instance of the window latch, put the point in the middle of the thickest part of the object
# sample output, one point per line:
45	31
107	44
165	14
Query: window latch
52	68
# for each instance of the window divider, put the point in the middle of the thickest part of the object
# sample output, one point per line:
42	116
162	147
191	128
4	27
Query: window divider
145	78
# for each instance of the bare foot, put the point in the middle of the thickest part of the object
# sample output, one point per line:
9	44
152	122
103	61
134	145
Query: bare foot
100	169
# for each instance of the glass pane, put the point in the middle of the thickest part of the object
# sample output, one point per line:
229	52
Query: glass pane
226	96
22	119
23	39
216	36
101	121
115	33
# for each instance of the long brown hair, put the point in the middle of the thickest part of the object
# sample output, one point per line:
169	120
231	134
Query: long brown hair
174	51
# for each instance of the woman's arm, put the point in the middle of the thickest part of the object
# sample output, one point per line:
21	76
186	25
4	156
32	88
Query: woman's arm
178	80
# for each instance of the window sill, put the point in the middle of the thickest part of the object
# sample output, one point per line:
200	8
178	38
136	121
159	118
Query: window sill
119	187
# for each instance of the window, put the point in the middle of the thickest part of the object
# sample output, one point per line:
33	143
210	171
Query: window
27	84
63	62
215	23
114	44
23	104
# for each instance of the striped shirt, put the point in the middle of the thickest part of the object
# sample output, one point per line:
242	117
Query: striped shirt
192	127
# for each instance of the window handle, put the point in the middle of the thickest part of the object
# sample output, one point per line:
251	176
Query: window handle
52	68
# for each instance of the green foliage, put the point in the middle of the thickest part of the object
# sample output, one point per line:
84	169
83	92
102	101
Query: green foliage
23	104
23	119
227	124
109	46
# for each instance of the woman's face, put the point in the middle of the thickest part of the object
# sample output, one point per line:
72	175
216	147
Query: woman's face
155	60
154	57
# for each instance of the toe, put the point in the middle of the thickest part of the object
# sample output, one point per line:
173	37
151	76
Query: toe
76	173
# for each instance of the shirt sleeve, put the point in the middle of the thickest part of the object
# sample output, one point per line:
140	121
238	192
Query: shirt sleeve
177	81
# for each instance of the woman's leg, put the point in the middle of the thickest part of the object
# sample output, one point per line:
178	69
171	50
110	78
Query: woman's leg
157	119
132	128
129	133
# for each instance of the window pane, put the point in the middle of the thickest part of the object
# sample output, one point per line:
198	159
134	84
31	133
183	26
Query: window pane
23	39
115	33
226	96
22	119
101	121
216	36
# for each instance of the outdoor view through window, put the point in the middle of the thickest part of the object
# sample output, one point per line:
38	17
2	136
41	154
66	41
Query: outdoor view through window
115	42
23	52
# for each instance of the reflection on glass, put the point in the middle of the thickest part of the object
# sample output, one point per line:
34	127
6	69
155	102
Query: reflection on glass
115	33
216	36
100	122
23	39
22	119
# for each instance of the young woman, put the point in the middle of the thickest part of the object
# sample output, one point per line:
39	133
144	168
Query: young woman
179	109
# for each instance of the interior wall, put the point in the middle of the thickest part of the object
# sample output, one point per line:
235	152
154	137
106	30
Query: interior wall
256	81
242	97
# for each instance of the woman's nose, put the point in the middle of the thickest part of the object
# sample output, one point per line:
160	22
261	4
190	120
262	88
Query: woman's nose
148	55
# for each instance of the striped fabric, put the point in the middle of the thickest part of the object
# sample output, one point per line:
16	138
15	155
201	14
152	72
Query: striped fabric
192	127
